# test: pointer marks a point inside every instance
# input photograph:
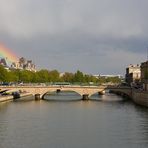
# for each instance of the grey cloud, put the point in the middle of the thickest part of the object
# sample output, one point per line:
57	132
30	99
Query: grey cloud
110	17
76	32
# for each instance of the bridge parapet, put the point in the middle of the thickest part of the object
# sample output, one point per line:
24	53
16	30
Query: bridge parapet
42	90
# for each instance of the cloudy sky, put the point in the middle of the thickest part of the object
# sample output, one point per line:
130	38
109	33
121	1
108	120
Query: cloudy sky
94	36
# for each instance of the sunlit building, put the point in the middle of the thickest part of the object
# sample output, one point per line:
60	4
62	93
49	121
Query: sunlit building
24	64
144	75
133	74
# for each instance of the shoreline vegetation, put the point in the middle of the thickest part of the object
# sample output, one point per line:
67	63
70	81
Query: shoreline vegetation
15	77
45	76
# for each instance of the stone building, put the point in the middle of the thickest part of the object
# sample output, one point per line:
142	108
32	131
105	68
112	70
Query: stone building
133	74
144	75
24	64
3	62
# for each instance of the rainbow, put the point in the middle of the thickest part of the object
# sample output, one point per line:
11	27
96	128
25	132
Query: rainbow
7	53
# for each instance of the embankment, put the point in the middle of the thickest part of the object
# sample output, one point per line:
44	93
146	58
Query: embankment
5	98
140	97
137	96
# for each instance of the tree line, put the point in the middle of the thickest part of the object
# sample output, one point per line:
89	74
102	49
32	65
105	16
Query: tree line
46	76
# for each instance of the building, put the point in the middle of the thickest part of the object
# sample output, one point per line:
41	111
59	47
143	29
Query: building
24	64
133	74
3	62
144	75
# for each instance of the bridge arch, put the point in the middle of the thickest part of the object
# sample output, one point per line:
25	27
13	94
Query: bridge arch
96	91
56	91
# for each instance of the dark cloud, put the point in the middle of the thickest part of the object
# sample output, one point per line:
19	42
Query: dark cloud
91	35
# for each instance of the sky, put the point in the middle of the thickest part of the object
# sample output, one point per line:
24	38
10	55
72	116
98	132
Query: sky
94	36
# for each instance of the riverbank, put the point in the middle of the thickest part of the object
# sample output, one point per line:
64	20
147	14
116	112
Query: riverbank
140	97
6	98
137	96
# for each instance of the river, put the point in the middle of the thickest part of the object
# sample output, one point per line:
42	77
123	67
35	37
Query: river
65	121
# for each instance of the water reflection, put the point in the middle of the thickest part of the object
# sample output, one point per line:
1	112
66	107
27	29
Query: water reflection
63	96
142	122
104	121
73	96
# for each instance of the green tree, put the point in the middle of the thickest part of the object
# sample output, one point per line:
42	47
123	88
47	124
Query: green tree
42	76
12	76
78	77
3	74
54	76
101	80
68	77
113	79
26	76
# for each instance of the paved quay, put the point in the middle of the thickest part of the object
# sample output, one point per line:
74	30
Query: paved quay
5	98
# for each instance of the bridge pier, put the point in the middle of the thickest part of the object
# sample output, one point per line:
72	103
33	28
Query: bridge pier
85	97
37	97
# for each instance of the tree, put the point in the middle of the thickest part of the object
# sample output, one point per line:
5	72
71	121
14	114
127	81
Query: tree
3	74
54	76
113	79
79	77
26	76
42	76
68	77
12	76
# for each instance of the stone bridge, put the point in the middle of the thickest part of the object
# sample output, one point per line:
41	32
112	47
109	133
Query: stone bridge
40	91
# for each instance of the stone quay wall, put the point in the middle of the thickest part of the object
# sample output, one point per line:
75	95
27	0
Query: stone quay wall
140	97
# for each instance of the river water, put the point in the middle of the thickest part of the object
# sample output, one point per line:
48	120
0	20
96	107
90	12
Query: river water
65	121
